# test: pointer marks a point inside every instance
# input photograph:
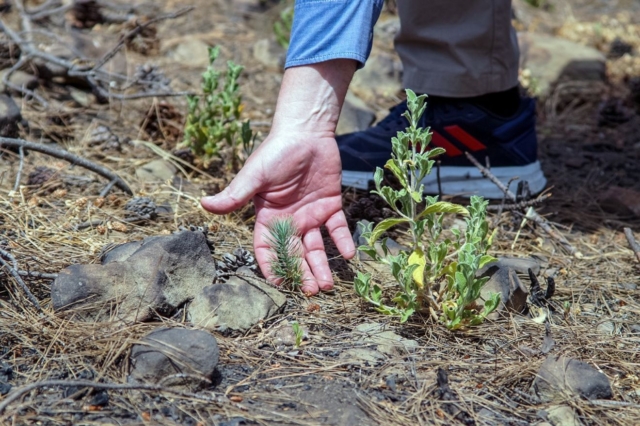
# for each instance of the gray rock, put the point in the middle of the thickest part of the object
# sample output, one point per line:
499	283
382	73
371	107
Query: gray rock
393	247
552	59
133	285
156	171
559	376
237	304
386	341
606	327
562	415
167	352
362	355
504	281
10	117
518	264
380	77
18	78
269	53
355	115
191	52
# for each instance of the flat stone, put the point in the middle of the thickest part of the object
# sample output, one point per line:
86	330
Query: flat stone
269	53
622	201
552	59
387	342
192	52
163	273
167	352
559	377
606	327
238	304
362	355
355	115
156	171
19	78
10	117
562	415
380	77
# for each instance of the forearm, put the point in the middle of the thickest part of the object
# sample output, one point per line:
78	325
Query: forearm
311	96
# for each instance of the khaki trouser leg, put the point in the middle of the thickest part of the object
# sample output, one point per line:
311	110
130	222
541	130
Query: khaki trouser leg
457	48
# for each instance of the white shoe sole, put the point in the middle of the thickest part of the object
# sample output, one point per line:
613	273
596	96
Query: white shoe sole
464	181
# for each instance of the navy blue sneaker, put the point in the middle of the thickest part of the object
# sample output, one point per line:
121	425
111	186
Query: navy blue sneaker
509	143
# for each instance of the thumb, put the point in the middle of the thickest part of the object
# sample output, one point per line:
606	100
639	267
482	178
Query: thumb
237	194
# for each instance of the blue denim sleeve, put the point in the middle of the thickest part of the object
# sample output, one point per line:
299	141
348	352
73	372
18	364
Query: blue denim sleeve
332	29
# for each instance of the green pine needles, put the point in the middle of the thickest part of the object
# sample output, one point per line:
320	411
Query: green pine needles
283	239
421	272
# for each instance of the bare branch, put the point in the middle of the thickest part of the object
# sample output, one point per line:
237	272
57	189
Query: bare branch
14	273
633	243
67	156
531	214
19	392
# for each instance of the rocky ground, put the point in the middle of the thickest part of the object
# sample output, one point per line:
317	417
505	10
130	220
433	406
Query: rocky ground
146	310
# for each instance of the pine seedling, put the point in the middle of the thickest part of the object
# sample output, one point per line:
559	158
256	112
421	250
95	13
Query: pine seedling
283	239
298	332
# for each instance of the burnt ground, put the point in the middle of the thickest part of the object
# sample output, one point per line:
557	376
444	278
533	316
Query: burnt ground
589	142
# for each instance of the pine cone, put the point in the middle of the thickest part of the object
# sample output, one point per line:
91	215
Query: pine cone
619	48
142	206
85	14
40	175
613	112
152	76
105	139
230	263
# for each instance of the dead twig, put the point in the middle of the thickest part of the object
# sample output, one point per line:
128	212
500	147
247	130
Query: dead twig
521	205
36	274
14	273
81	67
16	185
16	394
530	214
72	158
633	243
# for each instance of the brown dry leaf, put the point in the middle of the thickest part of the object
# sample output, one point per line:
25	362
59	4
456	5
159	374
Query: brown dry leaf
146	416
99	202
236	398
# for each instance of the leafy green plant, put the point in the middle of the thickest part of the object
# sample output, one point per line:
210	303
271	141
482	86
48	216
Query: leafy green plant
213	128
283	240
282	27
420	272
298	332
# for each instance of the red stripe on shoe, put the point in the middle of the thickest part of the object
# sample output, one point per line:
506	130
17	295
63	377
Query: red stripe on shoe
465	138
440	141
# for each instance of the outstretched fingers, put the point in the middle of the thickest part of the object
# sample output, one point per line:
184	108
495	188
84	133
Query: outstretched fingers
316	258
340	234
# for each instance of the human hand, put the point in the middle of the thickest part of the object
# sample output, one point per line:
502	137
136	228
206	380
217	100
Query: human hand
297	175
296	171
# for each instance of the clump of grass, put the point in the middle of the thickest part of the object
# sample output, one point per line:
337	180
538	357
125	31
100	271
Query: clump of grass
284	243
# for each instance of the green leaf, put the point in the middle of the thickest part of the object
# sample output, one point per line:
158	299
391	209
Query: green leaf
485	260
444	207
383	227
397	172
417	196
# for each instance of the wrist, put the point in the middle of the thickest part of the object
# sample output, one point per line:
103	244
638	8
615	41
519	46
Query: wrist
311	96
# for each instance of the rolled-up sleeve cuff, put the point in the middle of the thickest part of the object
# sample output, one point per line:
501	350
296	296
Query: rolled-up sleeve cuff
332	29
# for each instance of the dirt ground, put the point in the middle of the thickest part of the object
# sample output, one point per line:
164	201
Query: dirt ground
589	141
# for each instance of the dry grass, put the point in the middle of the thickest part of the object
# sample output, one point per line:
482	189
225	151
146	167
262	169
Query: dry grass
262	381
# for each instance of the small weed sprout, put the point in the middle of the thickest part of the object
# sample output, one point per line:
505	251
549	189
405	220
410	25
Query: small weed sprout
213	128
298	332
420	272
284	243
282	27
